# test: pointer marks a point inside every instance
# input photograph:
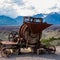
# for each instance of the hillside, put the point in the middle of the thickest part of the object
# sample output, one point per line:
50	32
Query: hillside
53	31
52	18
6	21
5	30
19	19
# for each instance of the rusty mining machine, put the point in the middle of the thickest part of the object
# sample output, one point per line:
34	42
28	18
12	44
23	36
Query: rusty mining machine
29	35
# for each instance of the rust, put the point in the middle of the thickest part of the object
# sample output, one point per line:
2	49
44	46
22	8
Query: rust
35	27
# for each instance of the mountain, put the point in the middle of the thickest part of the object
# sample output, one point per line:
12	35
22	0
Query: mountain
19	19
52	31
5	20
53	18
38	15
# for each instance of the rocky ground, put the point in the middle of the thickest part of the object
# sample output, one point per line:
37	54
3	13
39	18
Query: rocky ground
55	56
30	56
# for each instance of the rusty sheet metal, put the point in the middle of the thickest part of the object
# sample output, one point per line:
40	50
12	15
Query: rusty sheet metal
37	27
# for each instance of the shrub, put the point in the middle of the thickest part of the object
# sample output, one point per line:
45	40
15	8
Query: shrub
47	41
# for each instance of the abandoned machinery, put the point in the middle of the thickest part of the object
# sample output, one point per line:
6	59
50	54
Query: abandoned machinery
28	36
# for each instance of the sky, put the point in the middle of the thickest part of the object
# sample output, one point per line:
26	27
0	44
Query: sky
14	8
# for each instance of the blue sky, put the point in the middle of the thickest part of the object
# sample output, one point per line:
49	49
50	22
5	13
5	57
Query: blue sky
14	8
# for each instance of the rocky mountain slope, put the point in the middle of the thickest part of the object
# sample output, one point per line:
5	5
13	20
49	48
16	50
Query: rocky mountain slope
52	31
53	18
5	20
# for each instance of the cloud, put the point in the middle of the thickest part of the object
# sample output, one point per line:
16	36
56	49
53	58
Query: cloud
14	8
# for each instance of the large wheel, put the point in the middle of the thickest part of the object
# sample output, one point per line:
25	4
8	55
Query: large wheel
31	38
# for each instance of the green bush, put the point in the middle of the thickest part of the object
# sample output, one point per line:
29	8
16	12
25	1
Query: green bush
47	41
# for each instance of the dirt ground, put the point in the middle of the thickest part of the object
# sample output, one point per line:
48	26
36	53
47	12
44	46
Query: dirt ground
29	56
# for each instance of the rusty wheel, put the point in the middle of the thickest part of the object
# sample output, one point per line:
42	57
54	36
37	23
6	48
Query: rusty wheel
13	35
30	38
51	49
28	35
5	52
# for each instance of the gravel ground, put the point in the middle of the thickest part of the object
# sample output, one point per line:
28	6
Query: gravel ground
55	56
